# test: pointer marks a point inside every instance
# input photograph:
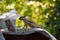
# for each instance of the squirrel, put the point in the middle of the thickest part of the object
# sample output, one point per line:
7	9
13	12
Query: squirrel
27	22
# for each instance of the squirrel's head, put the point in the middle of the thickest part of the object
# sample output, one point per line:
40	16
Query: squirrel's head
22	17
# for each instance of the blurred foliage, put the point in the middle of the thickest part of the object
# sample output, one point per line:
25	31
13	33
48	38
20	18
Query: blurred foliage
42	12
58	19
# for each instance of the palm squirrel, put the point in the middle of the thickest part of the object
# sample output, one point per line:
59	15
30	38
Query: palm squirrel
30	23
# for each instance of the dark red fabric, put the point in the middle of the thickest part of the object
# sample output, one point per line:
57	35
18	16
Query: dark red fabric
32	36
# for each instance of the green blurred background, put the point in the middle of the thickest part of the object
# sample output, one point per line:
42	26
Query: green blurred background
42	12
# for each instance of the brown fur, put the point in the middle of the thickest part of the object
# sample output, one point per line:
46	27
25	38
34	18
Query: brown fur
27	22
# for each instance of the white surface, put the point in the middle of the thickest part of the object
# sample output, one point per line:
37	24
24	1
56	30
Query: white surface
11	15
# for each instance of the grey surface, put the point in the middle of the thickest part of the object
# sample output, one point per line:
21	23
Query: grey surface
29	31
1	36
2	24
